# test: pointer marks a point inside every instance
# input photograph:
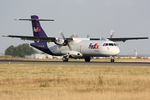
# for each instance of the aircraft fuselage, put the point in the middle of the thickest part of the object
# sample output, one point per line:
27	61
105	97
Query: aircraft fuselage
92	48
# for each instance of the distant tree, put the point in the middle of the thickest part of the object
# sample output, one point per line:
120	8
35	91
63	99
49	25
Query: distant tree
20	50
10	50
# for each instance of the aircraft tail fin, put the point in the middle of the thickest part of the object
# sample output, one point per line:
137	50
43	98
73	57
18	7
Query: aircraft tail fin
36	26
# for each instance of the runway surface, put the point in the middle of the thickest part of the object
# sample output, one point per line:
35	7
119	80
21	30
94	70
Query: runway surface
4	61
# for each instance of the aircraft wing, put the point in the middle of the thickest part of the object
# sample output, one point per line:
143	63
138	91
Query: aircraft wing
43	39
125	39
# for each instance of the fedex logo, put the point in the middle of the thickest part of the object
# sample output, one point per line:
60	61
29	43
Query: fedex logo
37	29
93	46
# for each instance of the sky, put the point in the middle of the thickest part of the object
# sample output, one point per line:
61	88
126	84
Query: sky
129	18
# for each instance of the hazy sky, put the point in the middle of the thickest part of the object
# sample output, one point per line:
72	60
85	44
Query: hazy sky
128	18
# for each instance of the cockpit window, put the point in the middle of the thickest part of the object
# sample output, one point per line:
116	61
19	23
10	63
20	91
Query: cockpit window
109	44
115	44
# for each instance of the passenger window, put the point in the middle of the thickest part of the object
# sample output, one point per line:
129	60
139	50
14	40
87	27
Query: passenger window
109	44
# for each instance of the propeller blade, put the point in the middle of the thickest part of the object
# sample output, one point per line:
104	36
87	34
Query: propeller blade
111	33
61	33
63	36
69	46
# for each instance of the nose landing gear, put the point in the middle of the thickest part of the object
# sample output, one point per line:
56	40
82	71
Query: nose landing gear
87	59
112	59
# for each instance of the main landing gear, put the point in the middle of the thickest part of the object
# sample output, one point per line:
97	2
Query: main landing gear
87	59
65	58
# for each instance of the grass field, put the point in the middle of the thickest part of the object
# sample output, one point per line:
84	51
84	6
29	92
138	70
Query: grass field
74	82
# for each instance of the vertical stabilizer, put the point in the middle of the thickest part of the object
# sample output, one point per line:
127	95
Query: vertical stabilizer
37	29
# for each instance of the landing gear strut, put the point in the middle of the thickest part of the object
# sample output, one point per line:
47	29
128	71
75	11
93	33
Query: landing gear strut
87	59
65	58
112	59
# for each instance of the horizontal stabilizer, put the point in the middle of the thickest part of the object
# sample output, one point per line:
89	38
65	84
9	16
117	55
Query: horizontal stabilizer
35	19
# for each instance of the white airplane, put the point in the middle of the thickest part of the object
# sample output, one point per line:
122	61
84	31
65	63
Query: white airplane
85	48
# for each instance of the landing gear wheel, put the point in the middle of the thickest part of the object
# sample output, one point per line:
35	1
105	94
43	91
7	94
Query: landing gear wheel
112	60
65	59
87	59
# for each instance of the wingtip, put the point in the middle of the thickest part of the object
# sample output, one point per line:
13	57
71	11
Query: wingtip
5	35
16	19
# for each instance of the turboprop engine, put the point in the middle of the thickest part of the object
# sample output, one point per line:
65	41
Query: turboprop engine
61	42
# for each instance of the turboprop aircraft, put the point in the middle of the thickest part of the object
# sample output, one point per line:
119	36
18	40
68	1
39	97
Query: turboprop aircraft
85	48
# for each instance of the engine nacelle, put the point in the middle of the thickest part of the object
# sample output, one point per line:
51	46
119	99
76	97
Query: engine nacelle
60	42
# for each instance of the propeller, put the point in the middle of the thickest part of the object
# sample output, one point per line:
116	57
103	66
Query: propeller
111	33
61	33
65	40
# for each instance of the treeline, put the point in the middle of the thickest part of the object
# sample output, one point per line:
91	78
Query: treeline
20	50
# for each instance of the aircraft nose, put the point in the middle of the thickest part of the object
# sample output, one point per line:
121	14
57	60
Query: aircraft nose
117	51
